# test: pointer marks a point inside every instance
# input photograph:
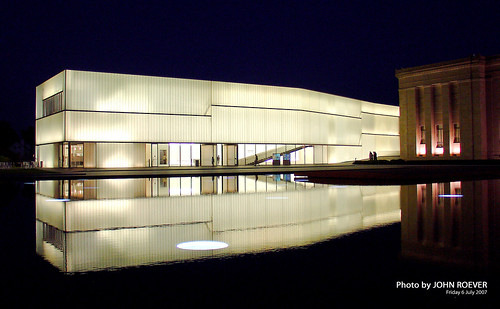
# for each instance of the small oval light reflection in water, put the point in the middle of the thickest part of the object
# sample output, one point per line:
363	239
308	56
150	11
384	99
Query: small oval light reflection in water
450	195
202	245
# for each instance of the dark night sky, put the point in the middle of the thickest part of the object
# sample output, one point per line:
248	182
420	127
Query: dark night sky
348	48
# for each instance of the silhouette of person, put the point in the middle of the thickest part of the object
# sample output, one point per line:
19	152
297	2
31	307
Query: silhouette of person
371	156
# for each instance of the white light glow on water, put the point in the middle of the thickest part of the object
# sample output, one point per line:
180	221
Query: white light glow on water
202	245
450	195
58	200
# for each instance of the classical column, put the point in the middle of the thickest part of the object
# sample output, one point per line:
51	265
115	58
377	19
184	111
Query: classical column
479	123
464	101
447	122
427	104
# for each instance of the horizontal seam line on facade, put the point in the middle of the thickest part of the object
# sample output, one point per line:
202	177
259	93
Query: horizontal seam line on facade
136	113
287	109
204	143
381	134
377	114
196	115
132	113
119	228
49	115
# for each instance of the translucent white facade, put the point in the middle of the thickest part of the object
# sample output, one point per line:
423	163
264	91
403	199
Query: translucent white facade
89	119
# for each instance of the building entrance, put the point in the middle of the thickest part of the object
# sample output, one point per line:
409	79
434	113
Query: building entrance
229	154
76	155
208	155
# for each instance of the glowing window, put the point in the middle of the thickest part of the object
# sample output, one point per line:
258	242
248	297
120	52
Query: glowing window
456	133
439	136
422	135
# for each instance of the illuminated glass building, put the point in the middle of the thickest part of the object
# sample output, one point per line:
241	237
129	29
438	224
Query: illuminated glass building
90	119
451	109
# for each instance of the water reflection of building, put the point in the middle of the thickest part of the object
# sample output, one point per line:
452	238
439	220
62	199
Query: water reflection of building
451	222
87	225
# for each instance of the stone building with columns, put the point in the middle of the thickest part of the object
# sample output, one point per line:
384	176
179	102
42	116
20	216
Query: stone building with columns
450	110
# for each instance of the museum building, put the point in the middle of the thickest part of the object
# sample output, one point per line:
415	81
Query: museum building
450	110
102	120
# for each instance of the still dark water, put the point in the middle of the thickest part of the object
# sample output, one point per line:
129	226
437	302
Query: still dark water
114	242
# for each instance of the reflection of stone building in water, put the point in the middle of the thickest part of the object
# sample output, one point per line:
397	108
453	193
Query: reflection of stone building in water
451	109
453	222
84	225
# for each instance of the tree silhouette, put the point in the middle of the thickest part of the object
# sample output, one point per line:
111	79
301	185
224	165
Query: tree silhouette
8	137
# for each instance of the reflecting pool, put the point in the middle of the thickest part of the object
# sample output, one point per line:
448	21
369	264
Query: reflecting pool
247	241
85	225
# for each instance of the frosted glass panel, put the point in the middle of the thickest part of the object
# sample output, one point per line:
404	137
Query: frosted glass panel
234	94
378	124
241	154
50	210
299	156
383	145
50	129
114	127
381	109
134	93
137	212
318	155
309	152
338	154
186	186
121	155
120	188
47	89
196	185
175	152
186	154
260	150
175	186
196	151
49	155
233	125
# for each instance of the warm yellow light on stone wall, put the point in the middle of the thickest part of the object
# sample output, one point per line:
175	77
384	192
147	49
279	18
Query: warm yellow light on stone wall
421	150
455	149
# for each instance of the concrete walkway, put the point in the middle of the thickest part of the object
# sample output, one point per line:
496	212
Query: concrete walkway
347	172
64	173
